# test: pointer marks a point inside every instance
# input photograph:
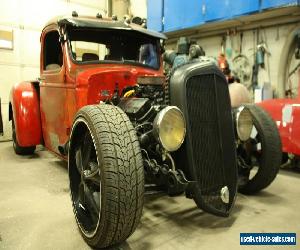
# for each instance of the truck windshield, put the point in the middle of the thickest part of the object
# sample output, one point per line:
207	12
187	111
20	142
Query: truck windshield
113	46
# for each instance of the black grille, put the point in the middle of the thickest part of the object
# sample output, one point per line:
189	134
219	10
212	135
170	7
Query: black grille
207	156
210	140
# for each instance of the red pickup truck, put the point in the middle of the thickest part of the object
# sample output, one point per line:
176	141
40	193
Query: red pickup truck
103	103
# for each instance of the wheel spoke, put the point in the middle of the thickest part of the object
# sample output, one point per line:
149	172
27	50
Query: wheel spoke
87	148
244	175
91	204
81	193
243	164
78	158
93	174
253	132
96	196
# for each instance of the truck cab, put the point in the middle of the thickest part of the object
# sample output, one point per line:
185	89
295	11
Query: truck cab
84	60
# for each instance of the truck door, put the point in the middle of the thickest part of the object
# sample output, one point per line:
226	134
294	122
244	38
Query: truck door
53	92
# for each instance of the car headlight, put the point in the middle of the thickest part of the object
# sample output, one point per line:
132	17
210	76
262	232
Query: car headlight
169	128
244	123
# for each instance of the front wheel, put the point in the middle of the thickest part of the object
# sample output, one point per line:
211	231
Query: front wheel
259	157
106	175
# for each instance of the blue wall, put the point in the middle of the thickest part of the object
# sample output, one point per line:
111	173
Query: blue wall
268	4
179	14
171	15
155	14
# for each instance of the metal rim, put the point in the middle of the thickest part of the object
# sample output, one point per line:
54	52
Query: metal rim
250	155
85	178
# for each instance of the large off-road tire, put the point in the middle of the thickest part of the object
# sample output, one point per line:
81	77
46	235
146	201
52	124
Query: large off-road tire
262	151
106	175
17	148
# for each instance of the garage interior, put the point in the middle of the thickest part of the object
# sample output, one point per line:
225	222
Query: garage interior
35	207
36	211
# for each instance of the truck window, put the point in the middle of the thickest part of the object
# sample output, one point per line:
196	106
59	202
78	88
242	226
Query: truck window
113	46
53	57
88	51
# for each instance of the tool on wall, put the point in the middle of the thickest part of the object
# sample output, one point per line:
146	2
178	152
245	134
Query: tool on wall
255	67
241	67
260	53
228	48
223	44
262	87
225	68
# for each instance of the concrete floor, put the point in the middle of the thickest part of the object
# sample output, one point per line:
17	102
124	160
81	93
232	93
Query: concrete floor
36	212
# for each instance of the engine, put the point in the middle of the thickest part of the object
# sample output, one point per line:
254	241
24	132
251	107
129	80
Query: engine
161	130
185	129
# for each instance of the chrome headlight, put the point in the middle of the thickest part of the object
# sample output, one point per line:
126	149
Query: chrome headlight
169	128
244	123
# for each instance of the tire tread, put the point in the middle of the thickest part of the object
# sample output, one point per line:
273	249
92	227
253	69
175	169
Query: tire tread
123	170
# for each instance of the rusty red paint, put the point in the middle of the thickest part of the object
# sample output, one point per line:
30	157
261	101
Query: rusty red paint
63	92
26	114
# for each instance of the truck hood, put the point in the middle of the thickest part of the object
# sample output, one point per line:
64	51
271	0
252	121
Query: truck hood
102	82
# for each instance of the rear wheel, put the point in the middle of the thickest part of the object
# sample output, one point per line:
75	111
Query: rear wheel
106	175
17	148
260	156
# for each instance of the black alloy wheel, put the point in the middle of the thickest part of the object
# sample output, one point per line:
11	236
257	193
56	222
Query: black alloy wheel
86	186
106	175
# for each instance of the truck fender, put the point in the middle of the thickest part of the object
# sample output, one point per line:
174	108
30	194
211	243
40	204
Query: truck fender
24	109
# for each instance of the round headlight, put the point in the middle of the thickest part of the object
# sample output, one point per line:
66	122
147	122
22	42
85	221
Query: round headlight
244	124
169	127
